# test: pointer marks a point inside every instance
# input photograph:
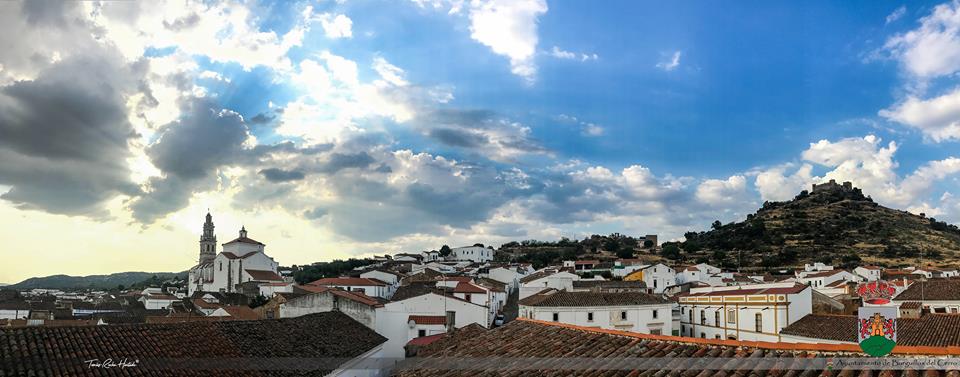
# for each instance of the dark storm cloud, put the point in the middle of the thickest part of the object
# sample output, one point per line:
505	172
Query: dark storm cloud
458	137
340	161
280	175
48	12
190	151
64	136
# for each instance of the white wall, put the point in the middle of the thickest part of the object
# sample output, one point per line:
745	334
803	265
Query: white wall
561	280
472	253
392	318
639	317
14	313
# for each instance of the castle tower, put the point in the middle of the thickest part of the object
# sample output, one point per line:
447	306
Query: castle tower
208	242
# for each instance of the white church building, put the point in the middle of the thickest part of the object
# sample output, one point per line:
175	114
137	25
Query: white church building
242	260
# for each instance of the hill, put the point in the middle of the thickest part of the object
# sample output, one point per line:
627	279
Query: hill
832	223
66	282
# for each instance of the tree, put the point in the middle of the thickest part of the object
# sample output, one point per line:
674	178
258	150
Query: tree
716	224
445	250
258	301
671	251
647	244
625	253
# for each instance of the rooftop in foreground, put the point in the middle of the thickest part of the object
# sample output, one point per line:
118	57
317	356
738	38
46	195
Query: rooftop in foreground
539	340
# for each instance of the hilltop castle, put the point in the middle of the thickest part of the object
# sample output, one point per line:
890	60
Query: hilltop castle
833	186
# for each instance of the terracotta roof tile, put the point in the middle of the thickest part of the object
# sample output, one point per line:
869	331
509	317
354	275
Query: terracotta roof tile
468	288
264	275
933	289
932	330
57	351
240	312
246	240
428	319
348	281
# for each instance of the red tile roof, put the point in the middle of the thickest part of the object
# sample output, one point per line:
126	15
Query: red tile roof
348	281
563	298
241	312
911	305
428	319
468	288
526	338
425	340
462	279
824	273
931	290
62	351
586	262
931	330
264	275
246	240
230	255
200	303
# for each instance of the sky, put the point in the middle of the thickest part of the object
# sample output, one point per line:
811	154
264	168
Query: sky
335	129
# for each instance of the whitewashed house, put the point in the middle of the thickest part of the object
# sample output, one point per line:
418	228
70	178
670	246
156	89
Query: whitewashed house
509	275
868	273
546	278
393	320
472	253
747	312
701	272
625	311
369	287
159	301
826	278
657	277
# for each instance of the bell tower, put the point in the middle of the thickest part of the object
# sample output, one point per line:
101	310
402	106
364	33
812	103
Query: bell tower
208	242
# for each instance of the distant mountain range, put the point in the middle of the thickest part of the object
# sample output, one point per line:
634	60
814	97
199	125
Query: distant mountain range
832	223
93	281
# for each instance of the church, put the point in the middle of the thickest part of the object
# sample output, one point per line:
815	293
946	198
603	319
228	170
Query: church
242	263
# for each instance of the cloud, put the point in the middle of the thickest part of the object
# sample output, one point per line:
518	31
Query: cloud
281	175
223	32
933	49
937	118
716	192
671	63
484	132
586	128
65	137
896	14
559	53
866	162
189	152
339	26
509	28
776	185
389	72
339	161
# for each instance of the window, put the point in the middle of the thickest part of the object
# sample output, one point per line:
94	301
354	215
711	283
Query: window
691	315
703	335
731	316
654	331
221	266
590	317
468	296
421	333
654	313
717	336
556	317
623	315
703	317
269	314
654	283
759	322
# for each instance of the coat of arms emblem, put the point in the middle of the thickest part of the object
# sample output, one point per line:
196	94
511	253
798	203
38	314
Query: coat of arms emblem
877	322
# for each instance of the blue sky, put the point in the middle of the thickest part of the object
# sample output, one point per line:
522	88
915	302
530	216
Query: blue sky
344	128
